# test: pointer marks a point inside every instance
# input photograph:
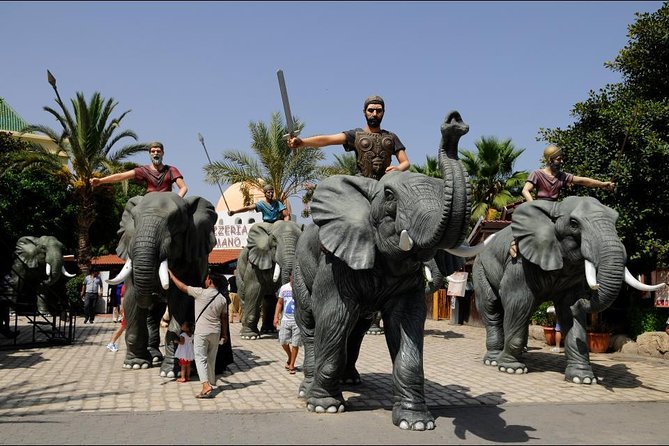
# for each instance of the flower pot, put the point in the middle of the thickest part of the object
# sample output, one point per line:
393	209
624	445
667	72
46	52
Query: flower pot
549	334
598	342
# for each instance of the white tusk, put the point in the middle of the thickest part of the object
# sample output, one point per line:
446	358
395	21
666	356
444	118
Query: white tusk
120	277
405	241
470	251
428	274
631	281
277	272
164	275
591	275
66	274
48	269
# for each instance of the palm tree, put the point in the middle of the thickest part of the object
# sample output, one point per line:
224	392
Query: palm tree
431	168
84	148
494	183
346	164
288	171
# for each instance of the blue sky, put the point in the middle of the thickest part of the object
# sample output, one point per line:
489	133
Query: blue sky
183	68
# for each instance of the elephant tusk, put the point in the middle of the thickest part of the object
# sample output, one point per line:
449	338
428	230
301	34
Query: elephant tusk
277	272
66	274
405	241
428	274
122	275
631	281
470	251
48	269
164	275
591	275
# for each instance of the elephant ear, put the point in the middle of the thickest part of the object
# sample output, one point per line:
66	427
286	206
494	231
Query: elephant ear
127	228
533	228
200	239
26	250
341	208
261	248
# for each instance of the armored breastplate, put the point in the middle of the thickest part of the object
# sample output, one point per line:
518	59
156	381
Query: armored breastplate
374	152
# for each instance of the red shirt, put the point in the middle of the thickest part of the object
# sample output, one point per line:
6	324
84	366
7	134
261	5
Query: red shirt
548	186
157	180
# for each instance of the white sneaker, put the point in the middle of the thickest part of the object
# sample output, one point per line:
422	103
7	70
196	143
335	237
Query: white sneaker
114	348
110	346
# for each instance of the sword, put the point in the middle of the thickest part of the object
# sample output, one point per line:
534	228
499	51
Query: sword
199	136
290	124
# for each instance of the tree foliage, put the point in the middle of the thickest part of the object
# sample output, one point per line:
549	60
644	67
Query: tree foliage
430	168
289	171
621	133
494	182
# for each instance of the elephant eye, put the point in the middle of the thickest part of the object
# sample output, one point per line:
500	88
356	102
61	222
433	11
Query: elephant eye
390	202
573	224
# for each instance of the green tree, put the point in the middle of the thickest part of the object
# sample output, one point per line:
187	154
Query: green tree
494	182
289	171
431	167
621	132
88	135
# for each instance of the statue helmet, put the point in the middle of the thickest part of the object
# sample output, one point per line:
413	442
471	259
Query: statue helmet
551	152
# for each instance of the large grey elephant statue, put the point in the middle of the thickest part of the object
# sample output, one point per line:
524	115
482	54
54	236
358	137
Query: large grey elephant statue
36	274
365	253
263	266
568	252
161	230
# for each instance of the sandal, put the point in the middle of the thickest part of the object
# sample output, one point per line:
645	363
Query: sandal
287	366
292	371
205	395
181	380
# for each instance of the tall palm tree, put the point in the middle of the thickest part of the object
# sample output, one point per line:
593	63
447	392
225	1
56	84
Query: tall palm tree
345	164
289	171
431	168
494	183
84	147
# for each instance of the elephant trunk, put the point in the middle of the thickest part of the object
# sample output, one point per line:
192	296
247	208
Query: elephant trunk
288	258
145	261
610	275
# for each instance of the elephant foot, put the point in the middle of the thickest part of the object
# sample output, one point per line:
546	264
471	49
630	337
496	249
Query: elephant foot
304	387
250	337
249	333
351	378
326	405
136	363
517	368
490	358
580	375
375	331
156	356
169	374
416	419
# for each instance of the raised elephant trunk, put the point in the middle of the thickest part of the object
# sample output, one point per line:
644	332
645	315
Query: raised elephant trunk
457	190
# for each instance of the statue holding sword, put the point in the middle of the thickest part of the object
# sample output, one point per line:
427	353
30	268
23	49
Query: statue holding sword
374	147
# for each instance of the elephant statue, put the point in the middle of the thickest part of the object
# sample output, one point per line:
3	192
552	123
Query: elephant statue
264	265
366	252
35	279
161	230
568	252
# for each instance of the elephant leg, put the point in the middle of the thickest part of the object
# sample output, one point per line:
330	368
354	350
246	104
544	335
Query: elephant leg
576	351
304	318
517	300
489	307
351	375
136	334
170	367
333	322
153	319
375	327
251	314
404	321
268	307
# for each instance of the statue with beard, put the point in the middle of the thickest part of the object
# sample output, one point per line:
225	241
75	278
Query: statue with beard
157	176
374	147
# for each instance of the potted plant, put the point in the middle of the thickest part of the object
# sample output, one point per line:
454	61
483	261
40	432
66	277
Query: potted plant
599	335
547	320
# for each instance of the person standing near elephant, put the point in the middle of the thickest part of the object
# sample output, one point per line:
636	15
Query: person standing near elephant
289	332
210	329
549	180
272	210
91	290
157	176
373	146
235	305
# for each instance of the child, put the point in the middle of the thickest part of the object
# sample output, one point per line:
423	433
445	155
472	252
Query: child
185	351
289	332
119	331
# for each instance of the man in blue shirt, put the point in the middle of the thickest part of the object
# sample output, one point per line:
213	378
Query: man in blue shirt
271	209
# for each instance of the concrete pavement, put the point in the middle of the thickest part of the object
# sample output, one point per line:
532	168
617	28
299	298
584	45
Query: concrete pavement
86	377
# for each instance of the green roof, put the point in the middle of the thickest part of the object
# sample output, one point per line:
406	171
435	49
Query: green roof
9	119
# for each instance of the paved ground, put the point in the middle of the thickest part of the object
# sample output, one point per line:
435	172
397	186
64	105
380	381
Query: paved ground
86	379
